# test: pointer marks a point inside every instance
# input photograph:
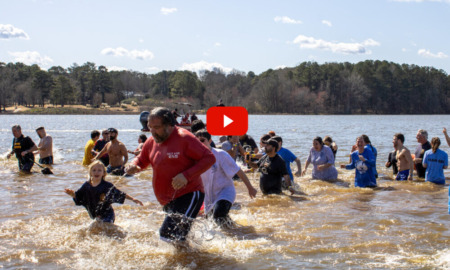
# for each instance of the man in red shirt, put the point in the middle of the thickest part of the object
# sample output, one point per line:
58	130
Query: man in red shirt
178	159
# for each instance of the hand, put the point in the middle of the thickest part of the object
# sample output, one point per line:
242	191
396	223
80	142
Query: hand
388	164
298	173
8	156
70	192
410	177
417	160
136	201
320	167
23	153
179	181
252	192
342	166
131	169
304	172
354	147
361	157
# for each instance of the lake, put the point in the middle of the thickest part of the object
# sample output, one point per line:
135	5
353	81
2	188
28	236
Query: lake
404	225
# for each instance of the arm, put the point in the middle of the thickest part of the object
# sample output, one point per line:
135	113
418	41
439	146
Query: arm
142	160
411	164
136	201
447	138
299	167
251	190
203	156
306	167
34	148
125	154
104	150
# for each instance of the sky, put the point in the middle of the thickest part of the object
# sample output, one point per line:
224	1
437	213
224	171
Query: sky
154	35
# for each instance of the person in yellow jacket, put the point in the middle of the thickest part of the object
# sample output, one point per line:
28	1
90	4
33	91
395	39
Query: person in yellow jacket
88	156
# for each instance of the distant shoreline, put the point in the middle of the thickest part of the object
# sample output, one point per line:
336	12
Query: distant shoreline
67	110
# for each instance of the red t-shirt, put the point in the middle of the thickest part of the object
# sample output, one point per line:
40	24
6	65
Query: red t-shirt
183	153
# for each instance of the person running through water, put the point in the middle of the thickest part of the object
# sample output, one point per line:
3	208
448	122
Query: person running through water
97	194
220	192
178	159
23	147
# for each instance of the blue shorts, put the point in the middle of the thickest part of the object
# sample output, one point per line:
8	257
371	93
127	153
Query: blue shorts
402	176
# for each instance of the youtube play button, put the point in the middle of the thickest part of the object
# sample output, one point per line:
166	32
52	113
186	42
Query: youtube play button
227	121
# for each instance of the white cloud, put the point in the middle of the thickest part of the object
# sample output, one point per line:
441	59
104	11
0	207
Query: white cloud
134	54
167	11
116	68
203	65
280	67
30	58
285	19
217	44
336	47
428	54
328	23
8	31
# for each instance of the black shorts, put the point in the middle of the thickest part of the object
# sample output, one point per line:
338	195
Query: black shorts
47	160
180	214
26	166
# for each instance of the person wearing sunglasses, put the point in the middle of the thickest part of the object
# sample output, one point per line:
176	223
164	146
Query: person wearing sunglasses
220	192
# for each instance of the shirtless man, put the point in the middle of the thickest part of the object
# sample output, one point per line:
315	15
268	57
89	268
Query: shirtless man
405	162
45	146
118	154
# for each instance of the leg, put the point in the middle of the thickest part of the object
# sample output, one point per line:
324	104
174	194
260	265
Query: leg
220	212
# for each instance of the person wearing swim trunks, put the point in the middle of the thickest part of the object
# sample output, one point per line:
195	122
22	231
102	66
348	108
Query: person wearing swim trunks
220	192
117	152
424	145
45	146
23	147
404	159
178	159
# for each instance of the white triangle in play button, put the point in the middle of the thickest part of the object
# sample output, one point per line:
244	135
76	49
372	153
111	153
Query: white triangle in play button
226	121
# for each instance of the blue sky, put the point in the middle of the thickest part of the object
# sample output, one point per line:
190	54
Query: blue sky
151	36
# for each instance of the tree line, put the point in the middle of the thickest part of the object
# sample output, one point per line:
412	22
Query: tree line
368	87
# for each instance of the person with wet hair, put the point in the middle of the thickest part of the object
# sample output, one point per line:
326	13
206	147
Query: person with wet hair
322	159
435	161
45	146
362	160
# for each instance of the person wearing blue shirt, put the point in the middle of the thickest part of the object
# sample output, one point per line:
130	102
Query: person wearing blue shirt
368	144
435	161
363	161
288	158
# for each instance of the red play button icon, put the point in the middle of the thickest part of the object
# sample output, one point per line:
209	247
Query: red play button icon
227	121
